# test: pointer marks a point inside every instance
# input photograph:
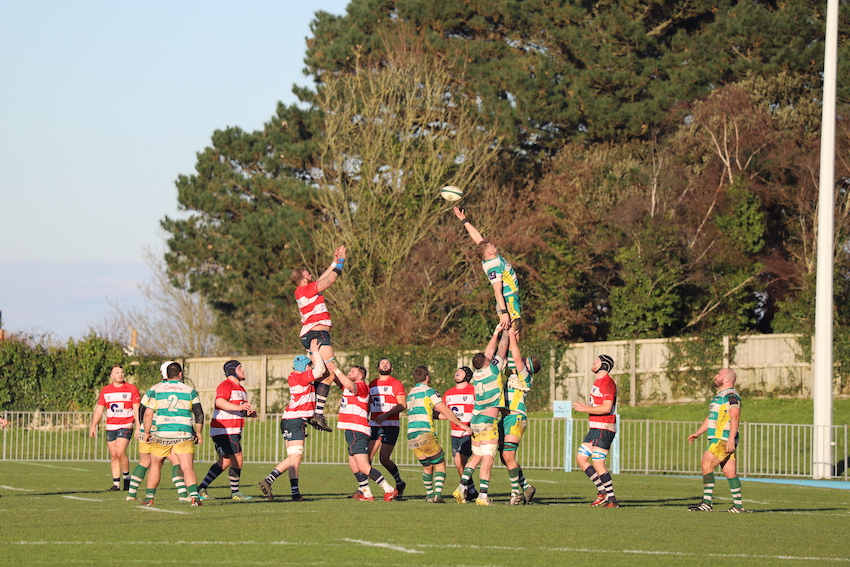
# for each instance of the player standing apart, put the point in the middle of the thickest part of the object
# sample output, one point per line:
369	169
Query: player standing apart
226	427
388	400
603	426
422	402
293	424
354	420
121	402
724	416
514	424
145	456
316	324
175	409
488	381
460	400
499	272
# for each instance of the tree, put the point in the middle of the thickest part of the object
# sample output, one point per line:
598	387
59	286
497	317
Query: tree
394	134
250	212
549	72
172	322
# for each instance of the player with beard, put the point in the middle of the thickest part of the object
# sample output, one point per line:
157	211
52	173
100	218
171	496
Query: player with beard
354	420
387	400
228	422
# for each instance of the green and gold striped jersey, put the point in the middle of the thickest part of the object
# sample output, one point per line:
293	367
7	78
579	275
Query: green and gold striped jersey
420	409
718	413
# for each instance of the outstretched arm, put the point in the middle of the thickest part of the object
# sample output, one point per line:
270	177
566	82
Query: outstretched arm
344	381
515	352
330	275
473	232
318	362
494	341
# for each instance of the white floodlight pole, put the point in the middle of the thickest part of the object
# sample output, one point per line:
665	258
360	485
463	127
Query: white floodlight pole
822	386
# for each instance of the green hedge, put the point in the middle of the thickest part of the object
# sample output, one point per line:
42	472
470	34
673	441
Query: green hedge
38	376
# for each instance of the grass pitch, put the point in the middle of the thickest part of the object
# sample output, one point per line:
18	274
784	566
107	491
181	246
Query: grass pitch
58	513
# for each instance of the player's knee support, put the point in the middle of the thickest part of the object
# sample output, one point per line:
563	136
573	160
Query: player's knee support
489	449
598	455
296	450
582	450
510	446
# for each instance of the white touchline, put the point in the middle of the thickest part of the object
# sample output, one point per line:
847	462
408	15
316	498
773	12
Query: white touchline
4	487
384	545
641	552
83	499
149	509
50	466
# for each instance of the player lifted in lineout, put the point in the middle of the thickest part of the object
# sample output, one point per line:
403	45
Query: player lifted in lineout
499	272
316	324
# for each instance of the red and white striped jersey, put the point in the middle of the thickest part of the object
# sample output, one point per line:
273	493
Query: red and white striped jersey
312	306
353	409
460	400
226	422
302	395
383	393
603	389
118	401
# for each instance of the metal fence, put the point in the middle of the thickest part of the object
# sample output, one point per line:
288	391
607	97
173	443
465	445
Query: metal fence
643	446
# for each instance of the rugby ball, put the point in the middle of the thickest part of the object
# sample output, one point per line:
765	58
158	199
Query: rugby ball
451	193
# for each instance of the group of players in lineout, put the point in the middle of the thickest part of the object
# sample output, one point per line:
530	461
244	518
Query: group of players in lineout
486	409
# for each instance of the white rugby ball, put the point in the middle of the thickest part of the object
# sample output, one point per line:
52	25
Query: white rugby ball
451	193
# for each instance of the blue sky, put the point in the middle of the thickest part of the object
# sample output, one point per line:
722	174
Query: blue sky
104	104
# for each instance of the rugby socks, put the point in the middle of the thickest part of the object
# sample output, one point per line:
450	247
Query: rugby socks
136	479
483	486
467	476
273	476
193	490
234	477
293	484
708	487
212	474
150	493
591	474
608	486
363	481
439	481
322	391
735	487
522	481
428	479
116	482
126	476
379	479
513	475
393	470
179	482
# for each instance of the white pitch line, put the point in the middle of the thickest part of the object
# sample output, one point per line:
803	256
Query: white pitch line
4	487
50	466
543	481
384	545
642	552
83	499
452	546
149	509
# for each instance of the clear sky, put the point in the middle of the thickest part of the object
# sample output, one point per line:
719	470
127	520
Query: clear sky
104	104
